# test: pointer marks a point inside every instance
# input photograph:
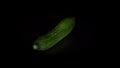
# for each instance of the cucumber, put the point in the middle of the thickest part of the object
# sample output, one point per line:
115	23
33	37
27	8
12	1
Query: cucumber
50	39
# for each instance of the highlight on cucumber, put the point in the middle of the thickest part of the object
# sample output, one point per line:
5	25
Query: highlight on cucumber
62	29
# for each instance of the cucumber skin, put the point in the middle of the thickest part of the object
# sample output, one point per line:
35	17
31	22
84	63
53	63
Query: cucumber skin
57	34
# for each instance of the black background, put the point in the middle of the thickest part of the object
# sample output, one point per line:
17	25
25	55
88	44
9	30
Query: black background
82	39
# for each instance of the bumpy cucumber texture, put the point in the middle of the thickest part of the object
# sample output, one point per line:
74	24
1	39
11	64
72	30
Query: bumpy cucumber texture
61	30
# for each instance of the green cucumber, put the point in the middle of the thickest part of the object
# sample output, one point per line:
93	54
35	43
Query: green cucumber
47	41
